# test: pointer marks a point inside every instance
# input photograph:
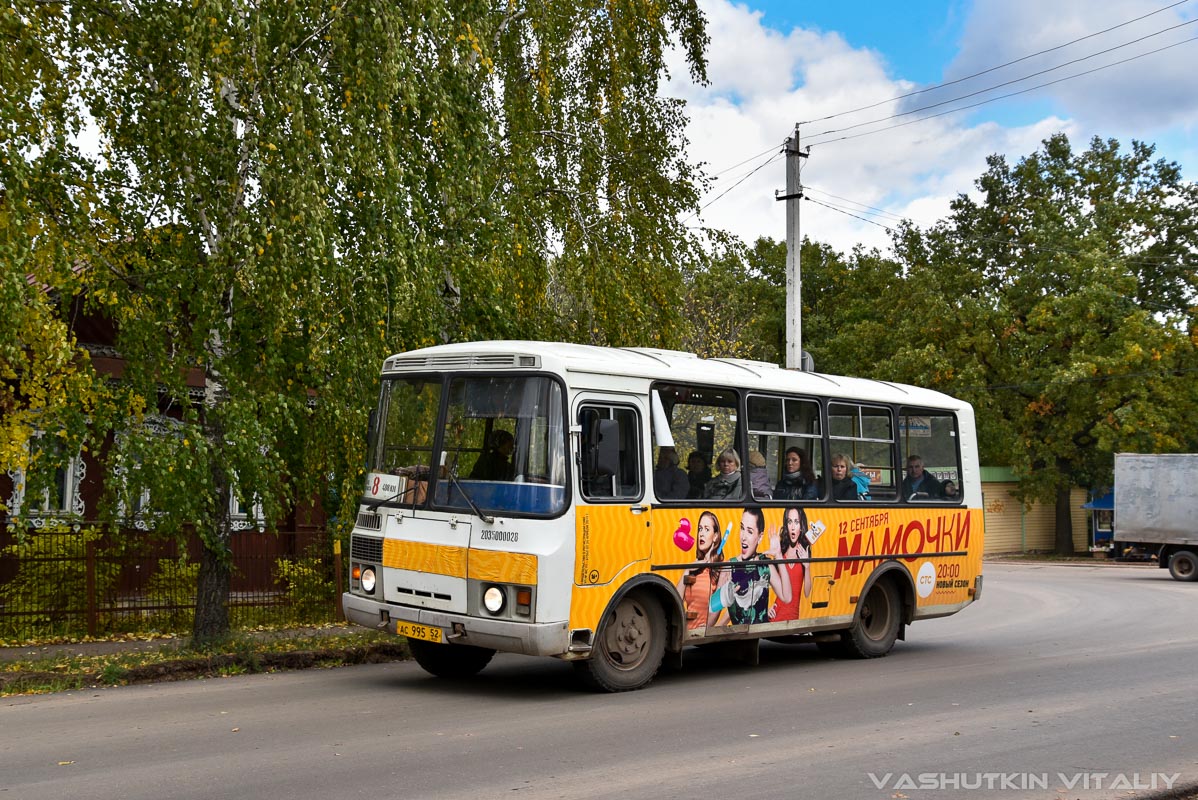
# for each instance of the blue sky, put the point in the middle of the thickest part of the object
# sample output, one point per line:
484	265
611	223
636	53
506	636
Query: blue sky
773	63
917	38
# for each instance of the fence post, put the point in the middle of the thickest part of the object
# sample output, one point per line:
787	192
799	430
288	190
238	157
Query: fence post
91	588
337	583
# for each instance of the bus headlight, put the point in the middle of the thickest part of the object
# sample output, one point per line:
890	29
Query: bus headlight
494	599
368	580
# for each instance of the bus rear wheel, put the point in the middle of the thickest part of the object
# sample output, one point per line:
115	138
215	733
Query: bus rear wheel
877	625
453	661
1183	566
629	647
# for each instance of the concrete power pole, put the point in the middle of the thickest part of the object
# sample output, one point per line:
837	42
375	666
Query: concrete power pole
795	357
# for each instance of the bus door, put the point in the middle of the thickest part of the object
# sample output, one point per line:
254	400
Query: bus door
613	521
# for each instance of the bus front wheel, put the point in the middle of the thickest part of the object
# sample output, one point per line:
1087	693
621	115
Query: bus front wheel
877	625
1183	566
454	661
629	647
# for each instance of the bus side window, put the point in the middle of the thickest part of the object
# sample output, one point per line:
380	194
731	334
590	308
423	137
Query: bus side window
864	435
929	439
610	462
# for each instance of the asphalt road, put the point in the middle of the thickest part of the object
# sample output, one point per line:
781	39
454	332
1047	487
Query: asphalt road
1063	682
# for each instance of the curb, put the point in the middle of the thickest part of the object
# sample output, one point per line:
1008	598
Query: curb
210	666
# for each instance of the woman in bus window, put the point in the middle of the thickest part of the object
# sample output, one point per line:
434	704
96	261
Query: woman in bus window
726	484
793	544
843	487
798	482
696	583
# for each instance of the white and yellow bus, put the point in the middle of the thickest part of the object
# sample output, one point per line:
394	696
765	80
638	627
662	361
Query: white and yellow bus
611	506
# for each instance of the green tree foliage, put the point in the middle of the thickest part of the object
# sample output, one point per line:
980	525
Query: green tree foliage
735	301
1061	303
736	305
267	198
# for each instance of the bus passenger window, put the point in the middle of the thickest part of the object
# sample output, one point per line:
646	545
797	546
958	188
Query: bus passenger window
698	417
862	436
610	461
931	453
786	433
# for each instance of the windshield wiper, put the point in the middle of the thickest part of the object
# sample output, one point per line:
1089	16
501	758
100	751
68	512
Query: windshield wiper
374	504
453	478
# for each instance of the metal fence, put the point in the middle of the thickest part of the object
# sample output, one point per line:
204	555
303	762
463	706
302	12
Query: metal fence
97	583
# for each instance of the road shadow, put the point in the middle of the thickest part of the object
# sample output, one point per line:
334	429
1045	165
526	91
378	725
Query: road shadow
535	679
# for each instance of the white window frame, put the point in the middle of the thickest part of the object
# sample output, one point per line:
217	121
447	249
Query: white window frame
72	504
243	520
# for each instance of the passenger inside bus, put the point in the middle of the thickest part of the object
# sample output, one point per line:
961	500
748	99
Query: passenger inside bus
759	482
920	484
843	487
494	464
798	481
726	484
698	473
669	481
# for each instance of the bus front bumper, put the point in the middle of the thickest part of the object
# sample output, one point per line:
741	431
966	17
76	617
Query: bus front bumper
547	639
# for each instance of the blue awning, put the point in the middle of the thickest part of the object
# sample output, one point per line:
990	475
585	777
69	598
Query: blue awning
1104	503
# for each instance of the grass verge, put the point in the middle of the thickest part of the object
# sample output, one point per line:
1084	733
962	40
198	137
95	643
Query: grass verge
241	654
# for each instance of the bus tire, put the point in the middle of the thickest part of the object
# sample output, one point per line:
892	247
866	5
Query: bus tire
879	617
452	661
629	647
1183	566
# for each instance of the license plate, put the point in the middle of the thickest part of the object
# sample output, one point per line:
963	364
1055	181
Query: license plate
413	631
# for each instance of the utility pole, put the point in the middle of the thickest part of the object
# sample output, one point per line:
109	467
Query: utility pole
794	283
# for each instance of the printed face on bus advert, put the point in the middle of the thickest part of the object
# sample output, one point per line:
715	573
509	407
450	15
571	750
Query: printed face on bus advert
750	535
707	535
794	526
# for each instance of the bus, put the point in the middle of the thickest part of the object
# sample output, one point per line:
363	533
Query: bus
613	506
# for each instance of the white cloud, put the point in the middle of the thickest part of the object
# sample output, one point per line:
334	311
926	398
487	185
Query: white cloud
1140	96
763	81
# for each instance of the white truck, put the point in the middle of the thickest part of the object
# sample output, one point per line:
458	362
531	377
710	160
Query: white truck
1156	509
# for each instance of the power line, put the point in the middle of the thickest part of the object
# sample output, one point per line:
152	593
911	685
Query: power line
1005	83
1010	94
747	160
880	211
1143	261
748	175
993	69
846	213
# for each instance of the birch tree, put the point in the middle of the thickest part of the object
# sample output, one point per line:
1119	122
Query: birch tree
266	198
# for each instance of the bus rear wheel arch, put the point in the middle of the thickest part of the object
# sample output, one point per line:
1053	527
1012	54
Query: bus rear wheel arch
629	646
878	623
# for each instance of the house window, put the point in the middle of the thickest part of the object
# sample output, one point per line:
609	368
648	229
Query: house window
245	516
61	497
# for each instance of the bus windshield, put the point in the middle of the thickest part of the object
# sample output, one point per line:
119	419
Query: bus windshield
503	443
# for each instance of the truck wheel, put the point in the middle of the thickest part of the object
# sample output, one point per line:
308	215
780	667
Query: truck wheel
629	647
1183	566
453	661
877	624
